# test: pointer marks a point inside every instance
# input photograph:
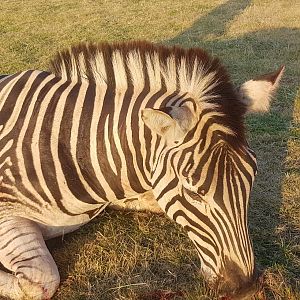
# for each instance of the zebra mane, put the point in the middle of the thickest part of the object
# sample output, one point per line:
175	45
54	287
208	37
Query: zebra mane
145	65
189	71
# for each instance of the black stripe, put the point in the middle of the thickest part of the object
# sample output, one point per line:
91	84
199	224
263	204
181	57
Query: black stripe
18	246
114	180
132	175
201	217
219	196
83	143
170	186
206	252
7	80
204	261
148	138
171	202
232	238
240	230
3	76
64	150
211	157
26	145
31	267
12	97
203	238
16	256
25	260
13	238
232	195
135	117
241	167
14	168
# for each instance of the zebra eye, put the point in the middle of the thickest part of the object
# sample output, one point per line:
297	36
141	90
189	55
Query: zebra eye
193	195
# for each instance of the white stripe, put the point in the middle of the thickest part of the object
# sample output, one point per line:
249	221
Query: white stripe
135	65
10	176
169	73
119	71
98	69
153	70
108	146
7	160
6	147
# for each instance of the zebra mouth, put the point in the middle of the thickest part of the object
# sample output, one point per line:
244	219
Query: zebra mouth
247	291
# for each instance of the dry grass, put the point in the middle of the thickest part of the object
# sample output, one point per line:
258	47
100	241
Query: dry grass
141	256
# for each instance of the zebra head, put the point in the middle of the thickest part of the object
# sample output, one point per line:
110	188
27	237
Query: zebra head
203	175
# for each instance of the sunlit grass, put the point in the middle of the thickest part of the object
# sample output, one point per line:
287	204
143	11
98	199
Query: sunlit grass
142	256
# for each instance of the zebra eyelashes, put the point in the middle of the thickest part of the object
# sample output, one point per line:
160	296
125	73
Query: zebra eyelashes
195	196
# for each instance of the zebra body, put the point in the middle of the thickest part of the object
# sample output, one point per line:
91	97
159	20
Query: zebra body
112	123
39	196
81	197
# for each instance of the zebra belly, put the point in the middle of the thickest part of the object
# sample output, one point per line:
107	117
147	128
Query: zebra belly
70	212
50	232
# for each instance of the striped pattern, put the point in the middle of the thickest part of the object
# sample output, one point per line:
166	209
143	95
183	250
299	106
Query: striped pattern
72	141
213	200
35	168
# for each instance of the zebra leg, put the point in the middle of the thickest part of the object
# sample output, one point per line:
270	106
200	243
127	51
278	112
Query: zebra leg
24	252
144	202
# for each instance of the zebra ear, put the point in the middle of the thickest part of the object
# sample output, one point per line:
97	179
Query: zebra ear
172	123
257	93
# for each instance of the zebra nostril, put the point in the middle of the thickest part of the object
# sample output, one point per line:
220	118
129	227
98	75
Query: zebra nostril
240	289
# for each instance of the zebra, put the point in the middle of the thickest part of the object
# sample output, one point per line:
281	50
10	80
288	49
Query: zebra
130	125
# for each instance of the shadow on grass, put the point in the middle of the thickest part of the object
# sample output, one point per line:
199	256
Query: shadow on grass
246	56
134	260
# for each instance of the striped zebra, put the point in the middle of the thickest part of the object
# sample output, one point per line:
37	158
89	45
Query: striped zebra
135	126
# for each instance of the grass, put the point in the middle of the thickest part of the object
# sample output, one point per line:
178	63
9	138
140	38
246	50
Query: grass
133	256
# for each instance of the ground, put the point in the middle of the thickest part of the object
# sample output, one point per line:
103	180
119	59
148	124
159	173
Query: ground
143	256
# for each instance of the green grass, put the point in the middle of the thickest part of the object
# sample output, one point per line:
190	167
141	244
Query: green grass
130	255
